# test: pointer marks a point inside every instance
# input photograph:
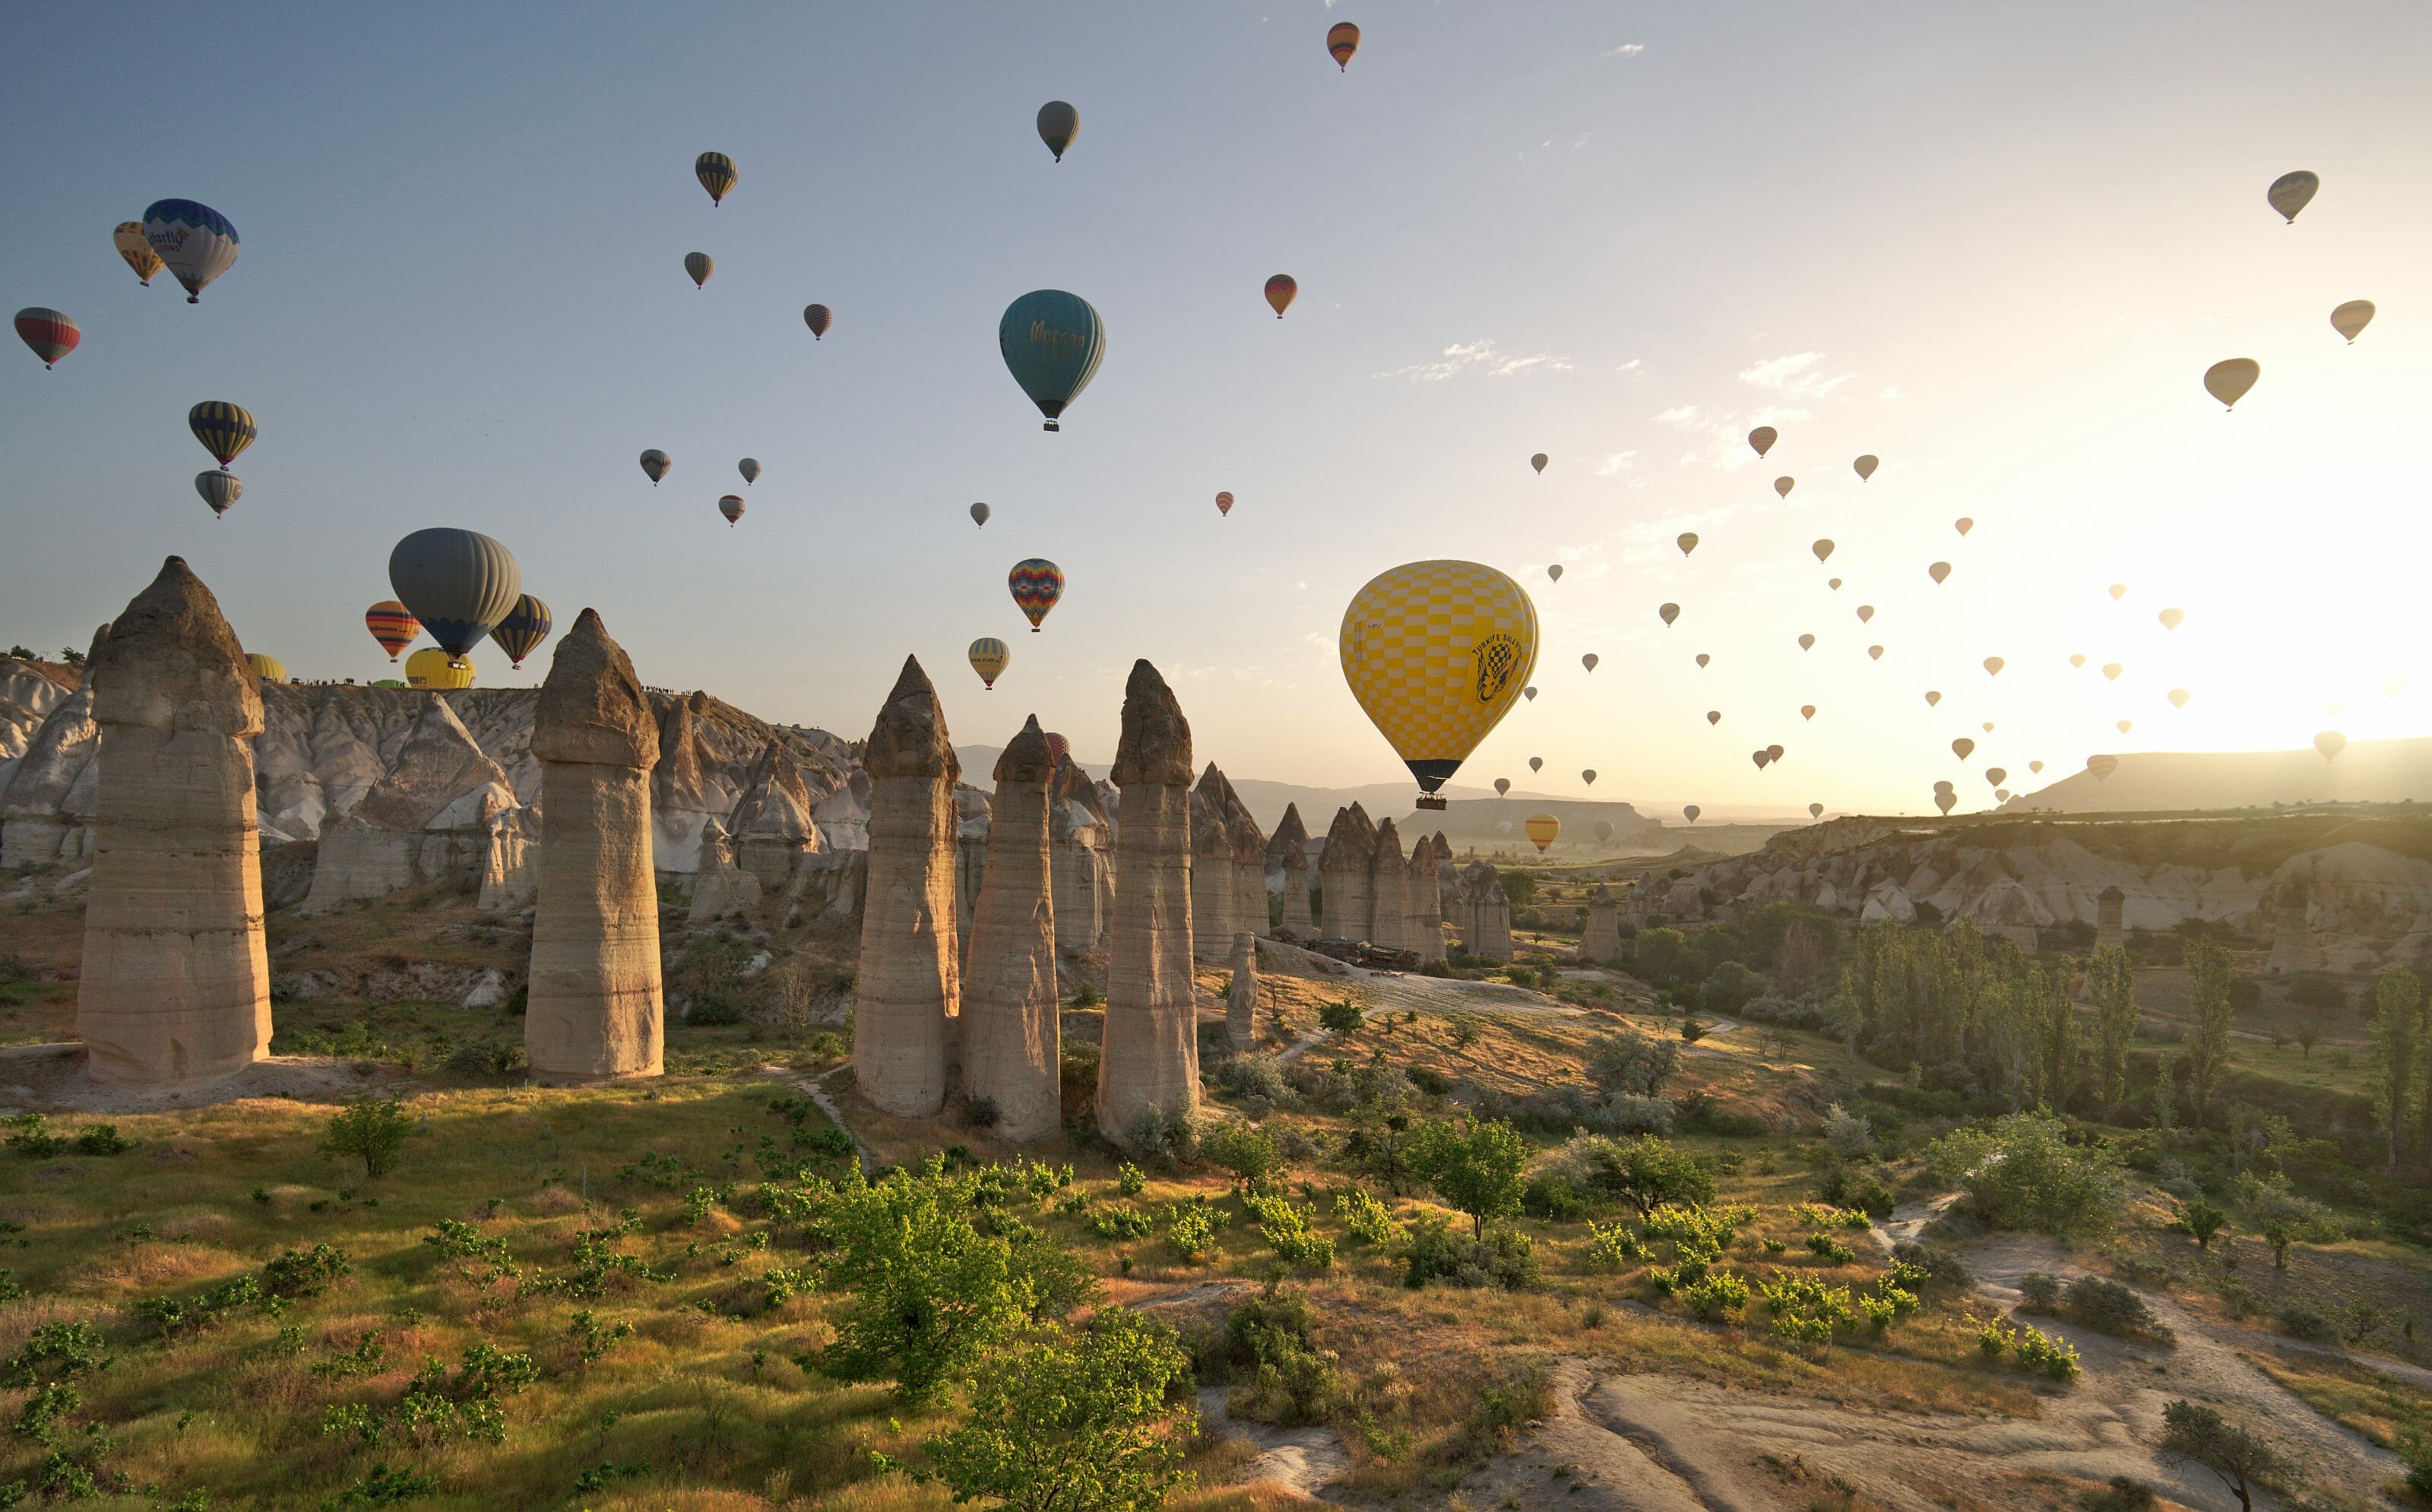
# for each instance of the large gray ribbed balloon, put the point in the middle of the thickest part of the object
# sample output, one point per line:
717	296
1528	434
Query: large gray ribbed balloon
458	583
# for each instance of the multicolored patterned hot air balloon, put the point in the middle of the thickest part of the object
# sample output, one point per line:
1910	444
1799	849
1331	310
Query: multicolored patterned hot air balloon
715	171
224	429
195	241
817	317
1224	503
1542	829
1437	652
219	489
458	583
989	658
1281	290
526	625
391	623
1342	40
129	238
51	333
1059	748
730	506
1052	343
1036	583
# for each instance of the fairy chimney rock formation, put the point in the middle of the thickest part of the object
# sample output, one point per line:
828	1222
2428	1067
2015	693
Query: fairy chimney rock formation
1148	1064
721	887
1343	873
1486	913
1389	892
176	981
1213	897
1424	903
511	859
595	1010
1601	942
1012	1042
773	828
1447	881
1081	851
1288	854
910	986
1241	995
54	781
2109	906
1249	867
426	818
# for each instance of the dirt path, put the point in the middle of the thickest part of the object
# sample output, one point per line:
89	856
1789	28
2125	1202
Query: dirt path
51	1079
1302	1460
1394	991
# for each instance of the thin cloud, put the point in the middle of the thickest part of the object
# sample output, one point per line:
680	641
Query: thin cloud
1479	356
1614	462
1625	50
1797	375
1631	367
1892	393
1684	416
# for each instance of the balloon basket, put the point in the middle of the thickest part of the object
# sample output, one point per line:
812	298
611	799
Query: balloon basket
1051	426
1432	800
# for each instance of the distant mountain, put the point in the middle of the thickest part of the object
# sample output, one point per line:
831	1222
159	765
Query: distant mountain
2367	771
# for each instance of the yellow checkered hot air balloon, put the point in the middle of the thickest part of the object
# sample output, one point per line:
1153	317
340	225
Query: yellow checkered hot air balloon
1437	653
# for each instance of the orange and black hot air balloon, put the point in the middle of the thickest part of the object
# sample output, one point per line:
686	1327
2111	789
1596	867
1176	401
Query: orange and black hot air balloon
1342	40
393	625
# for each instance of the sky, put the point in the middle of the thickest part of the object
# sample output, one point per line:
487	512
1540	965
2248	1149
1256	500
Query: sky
1997	248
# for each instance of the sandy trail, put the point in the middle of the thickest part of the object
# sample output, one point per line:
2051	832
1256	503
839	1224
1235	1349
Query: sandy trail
1394	991
51	1079
1302	1460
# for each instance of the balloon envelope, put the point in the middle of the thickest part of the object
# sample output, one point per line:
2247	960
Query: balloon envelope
1536	763
1342	40
1052	343
1963	524
1866	466
699	265
980	513
1687	542
195	243
1823	551
224	429
1807	642
52	333
1036	583
1588	777
1932	698
732	506
2111	671
989	658
1668	613
2117	591
1281	290
2102	766
1542	828
1703	658
129	238
817	317
1816	810
1059	124
1866	613
1938	571
1713	717
1763	438
526	625
1874	653
1996	776
2330	743
1554	573
715	171
1806	711
2290	192
1539	461
431	667
2172	618
268	669
1963	747
1946	801
1502	786
1589	661
1783	485
2229	380
1993	666
1224	503
655	465
2350	319
458	583
391	623
750	468
2179	697
1690	811
219	489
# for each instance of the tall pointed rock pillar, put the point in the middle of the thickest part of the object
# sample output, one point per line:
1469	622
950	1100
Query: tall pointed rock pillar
1288	852
1425	903
176	981
1012	1044
1601	941
1389	892
1212	893
1343	873
2110	905
595	1013
1148	1064
1241	995
910	986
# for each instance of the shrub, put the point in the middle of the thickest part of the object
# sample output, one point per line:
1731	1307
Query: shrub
2019	1171
1850	1135
2306	1322
1122	1221
56	1351
1831	1251
1806	1311
2203	1220
1342	1017
1270	1345
2234	1455
1191	1228
1243	1150
1646	1172
1364	1217
1252	1076
1503	1257
101	1140
1937	1266
1858	1188
2039	1291
2103	1304
1616	1246
33	1139
373	1130
1476	1166
1287	1231
1719	1296
1634	1063
1731	987
1554	1200
1130	1180
305	1272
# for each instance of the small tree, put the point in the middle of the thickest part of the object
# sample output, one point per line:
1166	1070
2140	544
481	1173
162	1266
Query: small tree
1634	1063
2210	974
1344	1018
2201	1436
1474	1166
2309	1035
1663	956
1244	1151
2397	1000
1647	1172
2203	1220
373	1130
1074	1422
2021	1171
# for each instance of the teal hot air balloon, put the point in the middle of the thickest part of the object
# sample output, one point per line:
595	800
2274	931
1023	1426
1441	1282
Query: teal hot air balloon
526	625
1052	343
458	583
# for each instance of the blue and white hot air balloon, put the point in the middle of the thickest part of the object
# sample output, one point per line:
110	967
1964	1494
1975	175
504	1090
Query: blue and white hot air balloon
195	241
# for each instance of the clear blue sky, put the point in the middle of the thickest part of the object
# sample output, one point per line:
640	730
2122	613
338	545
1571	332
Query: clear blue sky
1996	247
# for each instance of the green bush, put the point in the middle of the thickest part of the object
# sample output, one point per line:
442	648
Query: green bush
2021	1171
1130	1180
1831	1251
1343	1017
2105	1304
1503	1257
1364	1217
2039	1291
1721	1295
102	1139
1191	1228
1243	1150
1858	1188
1270	1347
1121	1221
1616	1246
370	1128
1287	1231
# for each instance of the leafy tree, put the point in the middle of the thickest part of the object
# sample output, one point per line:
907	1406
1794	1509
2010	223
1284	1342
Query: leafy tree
370	1128
2203	1220
1646	1172
1733	987
2397	998
1634	1063
1243	1150
1344	1018
1476	1166
1073	1421
2205	1437
71	656
930	1293
2209	973
1661	956
2309	1035
2019	1171
24	653
1520	887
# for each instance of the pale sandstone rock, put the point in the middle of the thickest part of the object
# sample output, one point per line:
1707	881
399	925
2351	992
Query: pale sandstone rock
1388	891
176	981
1081	848
2108	919
596	1011
1241	995
1601	941
1288	861
510	862
1343	872
773	829
909	985
1486	913
1213	897
428	818
1149	1066
45	797
1425	912
1012	1038
720	887
1249	866
972	809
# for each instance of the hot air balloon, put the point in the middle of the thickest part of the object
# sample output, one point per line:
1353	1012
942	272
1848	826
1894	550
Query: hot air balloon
2229	380
1052	343
1703	658
219	489
1668	613
731	505
1938	571
2350	319
2034	766
2111	671
526	625
2001	795
2117	591
1963	524
1713	717
2172	618
817	317
715	171
655	465
1687	542
1946	801
52	333
1773	752
431	668
1866	466
1057	747
1554	573
750	468
2179	697
1783	485
1536	763
1224	503
224	429
1588	777
1690	811
195	243
268	669
1059	124
1833	583
1989	727
458	583
989	658
1996	776
1763	438
699	265
1502	786
1816	810
1604	831
1539	461
391	623
1530	692
1036	583
1762	758
1944	784
1542	828
980	513
2330	743
1589	661
1807	642
1866	613
1874	653
1963	747
1932	698
1993	666
1281	290
2290	192
2077	659
1505	827
1342	40
2102	766
2126	725
129	238
1806	711
1823	551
